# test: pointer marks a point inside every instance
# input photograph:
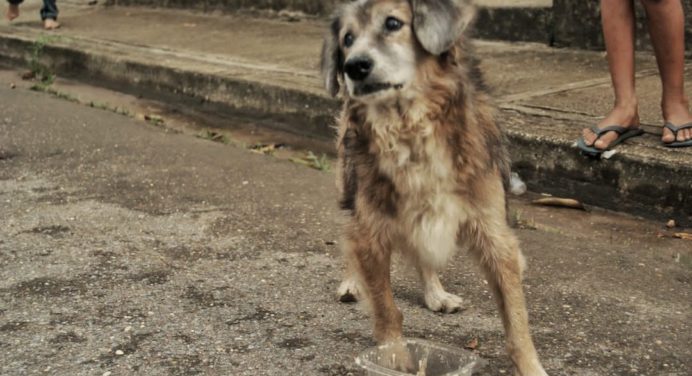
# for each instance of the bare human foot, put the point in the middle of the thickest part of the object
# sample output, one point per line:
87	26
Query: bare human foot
50	24
12	12
677	114
623	115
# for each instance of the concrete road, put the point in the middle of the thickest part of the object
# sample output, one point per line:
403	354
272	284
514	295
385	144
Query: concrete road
129	250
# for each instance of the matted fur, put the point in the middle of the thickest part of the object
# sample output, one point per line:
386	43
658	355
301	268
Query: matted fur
423	170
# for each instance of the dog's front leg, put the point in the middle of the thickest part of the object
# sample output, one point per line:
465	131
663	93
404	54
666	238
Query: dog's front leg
370	258
503	263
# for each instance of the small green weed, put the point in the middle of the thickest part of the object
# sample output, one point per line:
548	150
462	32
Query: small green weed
154	120
40	71
321	163
214	136
40	87
107	107
518	221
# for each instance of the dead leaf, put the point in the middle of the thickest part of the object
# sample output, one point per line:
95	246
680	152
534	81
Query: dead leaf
472	344
559	202
153	118
683	235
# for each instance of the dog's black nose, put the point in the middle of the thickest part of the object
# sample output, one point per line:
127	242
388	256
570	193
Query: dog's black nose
358	68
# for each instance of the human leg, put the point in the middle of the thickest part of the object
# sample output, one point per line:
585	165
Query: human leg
618	29
667	29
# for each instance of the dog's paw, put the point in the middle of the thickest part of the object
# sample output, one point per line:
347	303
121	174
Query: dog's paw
534	369
348	291
538	372
442	301
396	356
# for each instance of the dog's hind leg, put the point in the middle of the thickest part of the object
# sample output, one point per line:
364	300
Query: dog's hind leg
436	298
498	251
370	258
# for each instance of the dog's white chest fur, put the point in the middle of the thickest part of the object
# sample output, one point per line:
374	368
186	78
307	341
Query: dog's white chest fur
430	211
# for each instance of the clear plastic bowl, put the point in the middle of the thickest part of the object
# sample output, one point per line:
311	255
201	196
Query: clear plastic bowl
419	358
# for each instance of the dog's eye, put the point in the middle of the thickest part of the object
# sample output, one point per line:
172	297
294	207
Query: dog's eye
393	24
348	40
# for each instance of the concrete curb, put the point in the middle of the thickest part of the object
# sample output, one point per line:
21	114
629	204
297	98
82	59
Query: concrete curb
633	181
568	23
207	88
526	24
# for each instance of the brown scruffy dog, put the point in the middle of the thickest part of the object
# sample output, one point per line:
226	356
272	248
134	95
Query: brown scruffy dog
422	165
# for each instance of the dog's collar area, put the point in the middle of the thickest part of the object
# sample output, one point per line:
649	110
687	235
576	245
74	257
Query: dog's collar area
368	89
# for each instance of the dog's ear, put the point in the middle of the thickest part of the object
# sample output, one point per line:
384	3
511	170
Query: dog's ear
332	59
439	23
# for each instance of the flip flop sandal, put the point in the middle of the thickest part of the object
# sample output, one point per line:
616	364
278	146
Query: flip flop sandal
675	130
623	134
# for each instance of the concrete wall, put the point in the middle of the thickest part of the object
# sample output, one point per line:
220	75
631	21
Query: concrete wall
318	7
577	23
571	23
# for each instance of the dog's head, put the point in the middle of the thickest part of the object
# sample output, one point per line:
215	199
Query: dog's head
375	46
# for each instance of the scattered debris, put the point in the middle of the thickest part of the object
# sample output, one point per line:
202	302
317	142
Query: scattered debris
187	24
291	16
321	163
608	154
268	149
154	120
670	223
559	202
214	136
683	235
92	2
28	75
13	85
472	344
516	185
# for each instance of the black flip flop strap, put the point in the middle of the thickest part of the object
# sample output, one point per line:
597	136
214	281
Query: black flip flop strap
676	129
599	132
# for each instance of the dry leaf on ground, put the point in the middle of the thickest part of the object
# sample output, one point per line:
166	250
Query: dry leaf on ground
472	344
683	235
559	202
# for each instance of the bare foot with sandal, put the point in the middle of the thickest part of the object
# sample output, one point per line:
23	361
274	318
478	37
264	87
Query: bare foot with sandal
49	13
666	27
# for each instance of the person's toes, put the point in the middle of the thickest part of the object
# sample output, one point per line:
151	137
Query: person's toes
668	136
589	136
606	140
687	134
681	135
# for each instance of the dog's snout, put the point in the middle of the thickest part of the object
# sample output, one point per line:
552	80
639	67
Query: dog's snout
358	68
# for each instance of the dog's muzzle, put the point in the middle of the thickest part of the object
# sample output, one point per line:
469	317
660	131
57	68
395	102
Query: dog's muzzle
359	68
366	89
